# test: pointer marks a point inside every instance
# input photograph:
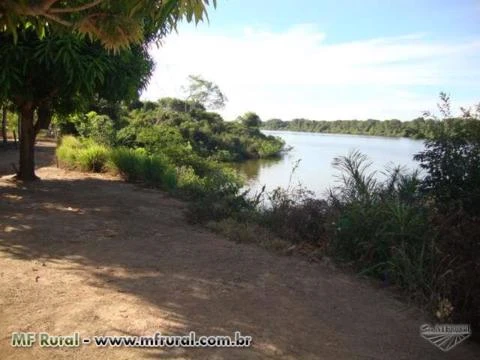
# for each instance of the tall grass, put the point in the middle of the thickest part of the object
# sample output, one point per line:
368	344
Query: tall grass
380	228
137	165
133	165
93	158
67	151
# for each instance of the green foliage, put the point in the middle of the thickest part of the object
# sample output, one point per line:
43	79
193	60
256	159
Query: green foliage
187	137
217	196
205	93
419	128
294	215
179	105
375	219
92	158
82	155
138	165
67	151
452	166
117	24
427	127
134	165
100	128
250	119
270	148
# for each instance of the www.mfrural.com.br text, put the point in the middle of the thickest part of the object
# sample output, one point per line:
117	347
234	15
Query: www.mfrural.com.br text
157	340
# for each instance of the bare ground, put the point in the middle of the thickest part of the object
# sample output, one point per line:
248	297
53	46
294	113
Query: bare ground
88	253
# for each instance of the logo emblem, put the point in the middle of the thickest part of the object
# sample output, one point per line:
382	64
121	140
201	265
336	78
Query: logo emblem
445	336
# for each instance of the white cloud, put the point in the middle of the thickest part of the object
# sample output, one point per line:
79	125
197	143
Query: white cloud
298	73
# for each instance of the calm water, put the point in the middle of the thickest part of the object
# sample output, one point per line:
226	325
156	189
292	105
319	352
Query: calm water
316	152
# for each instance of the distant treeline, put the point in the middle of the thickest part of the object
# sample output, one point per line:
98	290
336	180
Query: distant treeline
419	128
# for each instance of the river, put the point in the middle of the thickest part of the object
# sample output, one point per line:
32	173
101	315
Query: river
315	153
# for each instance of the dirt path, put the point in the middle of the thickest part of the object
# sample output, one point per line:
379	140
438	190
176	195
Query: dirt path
91	254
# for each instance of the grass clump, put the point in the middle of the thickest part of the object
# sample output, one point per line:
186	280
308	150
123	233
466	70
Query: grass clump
93	157
136	165
84	155
67	151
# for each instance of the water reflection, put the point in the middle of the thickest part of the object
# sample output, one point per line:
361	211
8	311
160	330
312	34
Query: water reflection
316	152
251	169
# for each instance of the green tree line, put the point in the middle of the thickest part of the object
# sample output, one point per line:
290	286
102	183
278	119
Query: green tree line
420	128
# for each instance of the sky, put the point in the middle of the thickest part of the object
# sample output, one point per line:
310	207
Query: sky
328	60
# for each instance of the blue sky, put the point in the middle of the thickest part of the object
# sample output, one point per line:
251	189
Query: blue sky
340	59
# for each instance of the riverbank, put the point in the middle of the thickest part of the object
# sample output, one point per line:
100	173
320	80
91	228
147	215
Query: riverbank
90	253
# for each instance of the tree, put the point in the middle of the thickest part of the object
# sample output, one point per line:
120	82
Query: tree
116	23
59	74
4	124
174	104
47	64
250	119
205	93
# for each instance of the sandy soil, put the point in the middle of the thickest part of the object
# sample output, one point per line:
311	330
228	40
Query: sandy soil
89	253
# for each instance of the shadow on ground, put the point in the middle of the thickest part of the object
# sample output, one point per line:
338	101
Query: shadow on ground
44	156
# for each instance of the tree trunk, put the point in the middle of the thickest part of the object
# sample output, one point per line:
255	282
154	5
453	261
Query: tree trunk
44	119
27	144
4	124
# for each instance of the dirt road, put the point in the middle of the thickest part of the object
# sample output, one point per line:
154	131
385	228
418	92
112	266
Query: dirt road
91	254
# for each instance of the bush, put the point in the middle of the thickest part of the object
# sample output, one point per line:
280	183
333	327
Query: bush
137	165
452	168
67	151
216	196
127	163
294	215
84	155
177	133
379	227
188	182
452	181
92	158
270	148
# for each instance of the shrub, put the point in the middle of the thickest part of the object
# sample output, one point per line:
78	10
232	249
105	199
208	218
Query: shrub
137	165
188	182
157	171
270	148
126	162
376	228
452	181
93	158
250	119
452	168
99	128
294	215
67	151
217	196
83	155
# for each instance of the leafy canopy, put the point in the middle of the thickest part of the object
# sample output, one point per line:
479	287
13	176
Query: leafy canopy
64	69
116	23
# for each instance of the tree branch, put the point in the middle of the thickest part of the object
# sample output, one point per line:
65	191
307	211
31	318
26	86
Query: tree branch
75	9
57	19
47	4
